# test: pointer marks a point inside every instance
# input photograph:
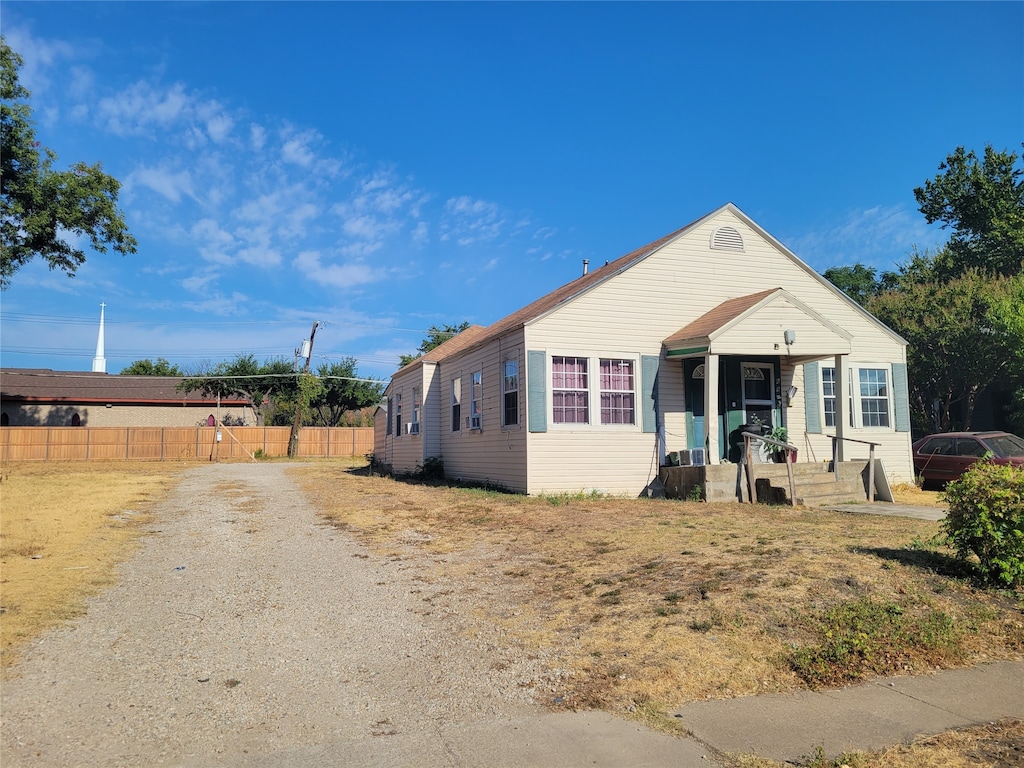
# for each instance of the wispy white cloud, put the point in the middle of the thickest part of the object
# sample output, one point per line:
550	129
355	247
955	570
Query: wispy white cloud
348	275
141	107
170	184
880	237
467	221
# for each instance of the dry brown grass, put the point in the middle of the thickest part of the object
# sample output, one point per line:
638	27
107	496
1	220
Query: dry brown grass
643	604
996	745
63	529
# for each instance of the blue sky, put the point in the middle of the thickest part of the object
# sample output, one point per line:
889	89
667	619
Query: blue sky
383	167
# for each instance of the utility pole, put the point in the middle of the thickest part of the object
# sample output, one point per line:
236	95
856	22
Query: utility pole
293	441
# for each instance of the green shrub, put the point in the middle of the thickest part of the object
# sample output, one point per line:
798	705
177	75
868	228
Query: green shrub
432	470
986	519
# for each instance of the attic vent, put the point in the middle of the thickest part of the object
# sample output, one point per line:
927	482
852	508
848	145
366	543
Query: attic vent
727	239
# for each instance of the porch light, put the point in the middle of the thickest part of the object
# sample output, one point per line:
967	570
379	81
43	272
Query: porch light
791	395
789	336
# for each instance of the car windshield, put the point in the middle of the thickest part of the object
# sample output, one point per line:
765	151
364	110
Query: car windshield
1005	446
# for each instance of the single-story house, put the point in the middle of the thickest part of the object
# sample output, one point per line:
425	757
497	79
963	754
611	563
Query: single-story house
32	397
672	350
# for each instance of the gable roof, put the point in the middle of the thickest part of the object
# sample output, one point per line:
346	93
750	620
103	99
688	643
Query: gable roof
45	385
705	325
456	343
736	314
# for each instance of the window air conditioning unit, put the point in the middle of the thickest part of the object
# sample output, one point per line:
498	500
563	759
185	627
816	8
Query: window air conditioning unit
695	457
412	428
473	422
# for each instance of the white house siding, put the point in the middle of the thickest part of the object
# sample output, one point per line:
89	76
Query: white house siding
763	333
406	453
630	315
493	454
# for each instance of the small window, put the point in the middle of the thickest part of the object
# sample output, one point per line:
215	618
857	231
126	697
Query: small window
391	410
456	405
570	390
510	386
874	397
76	420
398	414
476	402
618	394
417	406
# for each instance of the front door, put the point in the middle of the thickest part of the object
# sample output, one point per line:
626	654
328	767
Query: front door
758	393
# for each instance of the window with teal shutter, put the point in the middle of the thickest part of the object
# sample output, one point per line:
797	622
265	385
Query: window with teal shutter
901	395
649	382
536	390
812	398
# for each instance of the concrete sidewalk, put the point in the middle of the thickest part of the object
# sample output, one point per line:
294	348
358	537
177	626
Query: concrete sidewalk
869	716
919	511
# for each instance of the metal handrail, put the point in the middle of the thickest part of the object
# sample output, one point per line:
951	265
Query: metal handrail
871	461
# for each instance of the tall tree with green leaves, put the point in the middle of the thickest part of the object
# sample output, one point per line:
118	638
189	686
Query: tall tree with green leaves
158	367
982	202
343	391
40	206
957	348
265	386
436	336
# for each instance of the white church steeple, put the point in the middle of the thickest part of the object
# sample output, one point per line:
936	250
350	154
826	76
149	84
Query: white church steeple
99	363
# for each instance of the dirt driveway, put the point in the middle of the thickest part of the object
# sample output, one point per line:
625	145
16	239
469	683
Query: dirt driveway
246	632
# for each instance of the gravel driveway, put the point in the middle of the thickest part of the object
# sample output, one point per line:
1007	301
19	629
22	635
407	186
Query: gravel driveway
247	632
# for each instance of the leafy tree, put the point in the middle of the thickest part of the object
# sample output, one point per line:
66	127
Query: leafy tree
342	392
983	203
858	282
1007	316
150	368
265	386
436	336
40	206
956	346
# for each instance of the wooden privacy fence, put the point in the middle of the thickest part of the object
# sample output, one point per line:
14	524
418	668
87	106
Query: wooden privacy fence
177	443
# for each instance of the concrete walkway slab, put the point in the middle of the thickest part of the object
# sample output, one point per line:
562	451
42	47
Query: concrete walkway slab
919	511
875	715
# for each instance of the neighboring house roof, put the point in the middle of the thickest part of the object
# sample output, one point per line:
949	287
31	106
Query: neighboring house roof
42	385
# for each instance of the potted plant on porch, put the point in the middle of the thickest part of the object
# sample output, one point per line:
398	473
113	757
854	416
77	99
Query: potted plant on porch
782	435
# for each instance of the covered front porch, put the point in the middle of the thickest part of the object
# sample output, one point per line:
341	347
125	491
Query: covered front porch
741	364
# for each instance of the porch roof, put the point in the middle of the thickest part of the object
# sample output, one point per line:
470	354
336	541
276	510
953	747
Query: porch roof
759	324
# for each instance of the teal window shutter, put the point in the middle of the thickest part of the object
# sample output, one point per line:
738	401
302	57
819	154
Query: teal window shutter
537	390
649	396
901	395
812	398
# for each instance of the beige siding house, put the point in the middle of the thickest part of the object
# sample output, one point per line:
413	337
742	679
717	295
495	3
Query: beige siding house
672	348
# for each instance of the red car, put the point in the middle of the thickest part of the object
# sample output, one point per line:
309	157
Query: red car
941	458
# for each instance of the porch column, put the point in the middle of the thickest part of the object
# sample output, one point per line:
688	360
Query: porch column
842	405
711	407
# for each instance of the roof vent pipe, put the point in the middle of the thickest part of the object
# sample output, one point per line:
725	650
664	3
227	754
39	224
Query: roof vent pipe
586	265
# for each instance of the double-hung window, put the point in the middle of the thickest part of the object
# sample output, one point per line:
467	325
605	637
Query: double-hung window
398	414
456	405
874	397
391	410
618	392
828	391
570	390
476	402
510	391
417	407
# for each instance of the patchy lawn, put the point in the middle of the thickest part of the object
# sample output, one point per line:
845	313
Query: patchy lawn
64	529
641	605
